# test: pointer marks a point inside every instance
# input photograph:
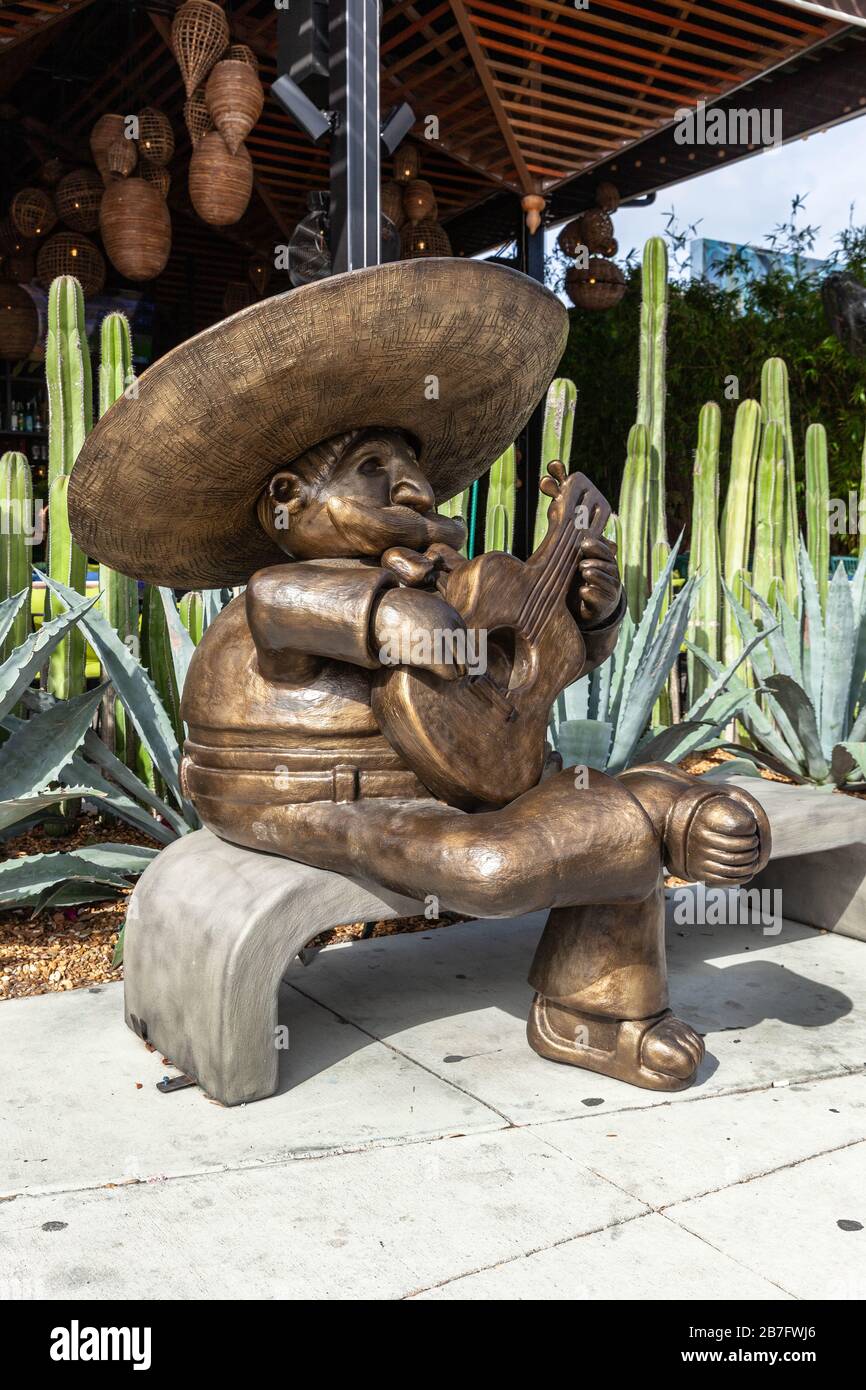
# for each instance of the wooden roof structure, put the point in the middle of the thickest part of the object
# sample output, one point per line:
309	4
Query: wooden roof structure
527	96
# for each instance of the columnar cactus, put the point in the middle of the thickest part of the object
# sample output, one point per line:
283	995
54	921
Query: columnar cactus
769	516
737	523
556	435
651	393
704	553
191	609
502	492
16	522
633	501
776	406
455	506
496	533
818	508
70	417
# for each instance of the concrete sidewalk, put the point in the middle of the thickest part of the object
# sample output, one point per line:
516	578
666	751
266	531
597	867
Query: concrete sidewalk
418	1149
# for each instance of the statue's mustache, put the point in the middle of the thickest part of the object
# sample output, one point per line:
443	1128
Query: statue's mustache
370	530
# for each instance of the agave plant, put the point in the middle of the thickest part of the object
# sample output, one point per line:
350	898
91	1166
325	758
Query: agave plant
603	720
808	717
57	754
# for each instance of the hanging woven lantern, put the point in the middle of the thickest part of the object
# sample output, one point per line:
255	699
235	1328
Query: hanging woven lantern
259	271
241	53
11	239
108	128
199	34
197	117
78	197
407	163
570	239
33	212
70	253
419	201
136	228
121	158
155	174
392	202
19	323
234	99
426	238
597	230
607	196
220	183
600	285
238	295
51	171
20	267
155	136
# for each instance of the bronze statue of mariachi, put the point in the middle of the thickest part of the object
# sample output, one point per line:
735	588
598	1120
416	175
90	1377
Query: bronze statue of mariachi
300	447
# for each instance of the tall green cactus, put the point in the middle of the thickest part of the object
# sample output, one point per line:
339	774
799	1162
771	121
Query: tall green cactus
704	552
456	506
556	436
737	526
769	517
496	531
818	508
70	417
502	492
16	522
651	393
861	504
191	609
633	497
776	406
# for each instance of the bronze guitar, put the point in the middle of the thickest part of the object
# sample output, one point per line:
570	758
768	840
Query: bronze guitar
480	740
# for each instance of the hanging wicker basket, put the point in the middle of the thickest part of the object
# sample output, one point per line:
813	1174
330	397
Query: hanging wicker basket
197	117
601	285
70	253
20	267
136	228
78	196
234	99
392	202
199	34
220	183
51	171
11	240
242	53
607	196
33	212
155	136
121	158
259	272
239	295
407	163
425	238
157	175
419	201
108	128
19	323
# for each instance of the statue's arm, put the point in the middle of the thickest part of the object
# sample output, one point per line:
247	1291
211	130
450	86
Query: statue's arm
600	641
315	610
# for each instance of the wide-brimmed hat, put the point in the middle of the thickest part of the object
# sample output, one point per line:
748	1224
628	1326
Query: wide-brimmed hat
455	353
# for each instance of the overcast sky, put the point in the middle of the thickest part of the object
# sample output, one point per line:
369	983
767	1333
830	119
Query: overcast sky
744	201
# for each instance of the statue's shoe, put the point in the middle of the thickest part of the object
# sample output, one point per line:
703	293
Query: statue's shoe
660	1053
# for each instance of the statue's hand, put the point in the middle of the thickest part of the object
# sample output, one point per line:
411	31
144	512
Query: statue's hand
596	588
413	627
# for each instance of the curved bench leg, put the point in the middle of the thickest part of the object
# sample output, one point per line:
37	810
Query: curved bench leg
210	933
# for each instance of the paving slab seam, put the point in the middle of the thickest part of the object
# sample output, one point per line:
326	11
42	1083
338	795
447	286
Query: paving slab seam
526	1254
509	1123
726	1255
754	1177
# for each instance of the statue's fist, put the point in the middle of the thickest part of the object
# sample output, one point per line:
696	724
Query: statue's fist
596	589
413	627
722	839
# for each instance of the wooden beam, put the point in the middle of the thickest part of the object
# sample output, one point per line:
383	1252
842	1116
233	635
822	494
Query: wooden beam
476	53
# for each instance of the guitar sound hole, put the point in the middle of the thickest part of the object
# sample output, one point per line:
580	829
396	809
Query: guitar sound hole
507	665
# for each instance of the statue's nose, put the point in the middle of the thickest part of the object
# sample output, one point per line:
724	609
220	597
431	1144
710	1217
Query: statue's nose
413	492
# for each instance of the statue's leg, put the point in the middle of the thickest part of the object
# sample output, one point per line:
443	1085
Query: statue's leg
600	971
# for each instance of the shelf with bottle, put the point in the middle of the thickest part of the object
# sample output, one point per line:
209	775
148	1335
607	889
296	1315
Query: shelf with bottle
24	417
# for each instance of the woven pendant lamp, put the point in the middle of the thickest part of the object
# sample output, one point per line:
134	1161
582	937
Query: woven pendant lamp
259	271
391	199
424	238
136	228
19	323
600	285
33	212
155	174
234	99
108	128
419	201
220	183
78	196
70	253
242	53
121	158
197	117
155	136
199	34
407	163
51	171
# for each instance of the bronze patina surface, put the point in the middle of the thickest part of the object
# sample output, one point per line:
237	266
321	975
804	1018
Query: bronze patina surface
305	740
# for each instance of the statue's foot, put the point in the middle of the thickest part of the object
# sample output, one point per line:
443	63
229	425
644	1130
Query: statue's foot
660	1053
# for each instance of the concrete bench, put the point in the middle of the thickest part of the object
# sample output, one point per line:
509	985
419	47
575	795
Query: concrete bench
818	860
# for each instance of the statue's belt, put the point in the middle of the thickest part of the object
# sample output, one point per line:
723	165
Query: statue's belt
291	776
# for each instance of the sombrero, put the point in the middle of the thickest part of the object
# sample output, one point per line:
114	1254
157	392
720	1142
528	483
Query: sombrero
456	353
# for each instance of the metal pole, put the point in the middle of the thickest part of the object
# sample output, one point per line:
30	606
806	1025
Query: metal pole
353	32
